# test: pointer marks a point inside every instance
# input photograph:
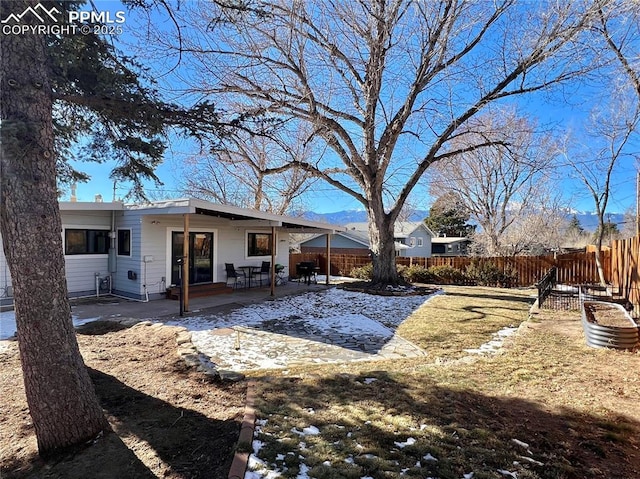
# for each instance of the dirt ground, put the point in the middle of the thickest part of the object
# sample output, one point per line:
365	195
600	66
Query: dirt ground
169	421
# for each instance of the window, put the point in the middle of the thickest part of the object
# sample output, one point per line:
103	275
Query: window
420	242
412	241
259	244
81	241
124	242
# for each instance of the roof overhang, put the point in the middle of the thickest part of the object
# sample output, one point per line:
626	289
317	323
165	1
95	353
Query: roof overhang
90	206
243	216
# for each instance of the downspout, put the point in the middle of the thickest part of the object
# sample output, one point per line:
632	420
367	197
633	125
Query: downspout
112	251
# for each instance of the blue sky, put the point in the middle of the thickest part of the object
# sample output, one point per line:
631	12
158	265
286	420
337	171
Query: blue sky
325	199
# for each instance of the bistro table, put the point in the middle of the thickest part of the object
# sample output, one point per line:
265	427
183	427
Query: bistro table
248	273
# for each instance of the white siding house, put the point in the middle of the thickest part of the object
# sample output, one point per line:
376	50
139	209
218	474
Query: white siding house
132	250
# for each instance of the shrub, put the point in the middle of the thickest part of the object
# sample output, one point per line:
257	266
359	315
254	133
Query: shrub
363	272
416	274
489	274
447	274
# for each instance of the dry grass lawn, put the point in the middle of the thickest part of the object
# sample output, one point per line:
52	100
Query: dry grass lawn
546	406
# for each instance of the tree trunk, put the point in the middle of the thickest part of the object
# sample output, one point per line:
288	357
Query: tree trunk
598	254
61	398
382	245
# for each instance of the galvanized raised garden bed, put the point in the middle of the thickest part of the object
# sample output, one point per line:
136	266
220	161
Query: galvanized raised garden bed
608	325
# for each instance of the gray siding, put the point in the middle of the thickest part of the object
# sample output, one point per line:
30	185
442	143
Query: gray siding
81	270
121	284
151	237
416	251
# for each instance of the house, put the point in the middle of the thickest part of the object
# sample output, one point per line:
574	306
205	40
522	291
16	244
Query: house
412	239
416	236
134	250
342	242
450	246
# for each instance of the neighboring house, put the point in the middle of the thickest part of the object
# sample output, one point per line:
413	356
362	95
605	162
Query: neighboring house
343	242
417	236
450	246
412	239
133	250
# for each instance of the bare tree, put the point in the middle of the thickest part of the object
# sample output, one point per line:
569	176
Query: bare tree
536	231
239	173
504	187
607	137
614	120
386	85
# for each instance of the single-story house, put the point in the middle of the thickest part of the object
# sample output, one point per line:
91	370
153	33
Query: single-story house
133	250
411	238
450	246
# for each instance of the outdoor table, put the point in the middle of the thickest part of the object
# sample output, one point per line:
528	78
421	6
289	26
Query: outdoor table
248	272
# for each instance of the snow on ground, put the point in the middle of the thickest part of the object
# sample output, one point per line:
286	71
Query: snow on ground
334	302
324	317
8	325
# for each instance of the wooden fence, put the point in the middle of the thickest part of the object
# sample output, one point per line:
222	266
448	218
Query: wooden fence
620	263
573	268
624	261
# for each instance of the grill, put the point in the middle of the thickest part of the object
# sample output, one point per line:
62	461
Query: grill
307	271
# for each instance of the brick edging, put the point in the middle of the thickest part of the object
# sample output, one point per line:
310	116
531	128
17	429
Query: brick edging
247	428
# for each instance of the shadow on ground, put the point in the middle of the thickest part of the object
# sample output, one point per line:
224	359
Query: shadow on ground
367	431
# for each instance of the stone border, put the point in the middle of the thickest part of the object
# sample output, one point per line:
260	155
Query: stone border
245	438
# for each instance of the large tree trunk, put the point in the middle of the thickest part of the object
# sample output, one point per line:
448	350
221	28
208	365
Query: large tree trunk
382	244
61	398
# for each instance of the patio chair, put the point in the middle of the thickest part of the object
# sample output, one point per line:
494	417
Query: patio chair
234	275
265	269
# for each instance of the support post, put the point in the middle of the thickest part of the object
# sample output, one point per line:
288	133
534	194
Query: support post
328	258
638	203
273	260
185	263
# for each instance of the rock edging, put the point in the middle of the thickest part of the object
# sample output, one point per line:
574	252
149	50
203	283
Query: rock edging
245	438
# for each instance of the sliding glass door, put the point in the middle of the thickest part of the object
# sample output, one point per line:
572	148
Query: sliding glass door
200	257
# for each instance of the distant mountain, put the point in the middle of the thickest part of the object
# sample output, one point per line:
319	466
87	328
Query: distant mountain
589	221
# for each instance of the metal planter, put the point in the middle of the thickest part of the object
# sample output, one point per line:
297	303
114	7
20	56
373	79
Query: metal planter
606	336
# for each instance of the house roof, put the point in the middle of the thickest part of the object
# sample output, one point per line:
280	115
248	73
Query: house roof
234	213
360	237
402	229
90	206
194	206
450	239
